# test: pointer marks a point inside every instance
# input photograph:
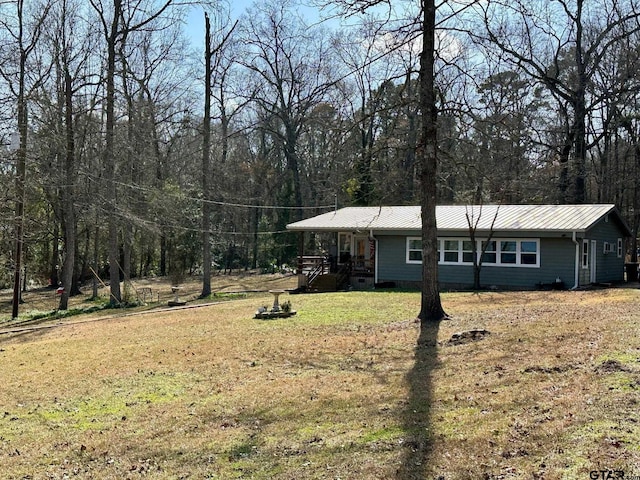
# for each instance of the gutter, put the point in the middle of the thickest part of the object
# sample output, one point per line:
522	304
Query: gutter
577	262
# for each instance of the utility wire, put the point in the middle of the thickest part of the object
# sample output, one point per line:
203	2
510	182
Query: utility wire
214	202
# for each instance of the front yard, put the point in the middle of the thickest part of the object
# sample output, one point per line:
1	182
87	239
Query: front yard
350	387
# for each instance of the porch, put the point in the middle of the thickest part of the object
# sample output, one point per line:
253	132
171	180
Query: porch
325	273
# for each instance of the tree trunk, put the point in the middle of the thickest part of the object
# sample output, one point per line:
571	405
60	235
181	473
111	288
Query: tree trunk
293	164
412	140
128	167
163	254
580	112
96	267
206	167
55	244
127	248
431	307
363	195
109	159
83	260
68	209
21	171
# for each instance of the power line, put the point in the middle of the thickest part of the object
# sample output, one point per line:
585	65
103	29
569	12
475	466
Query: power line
214	202
157	226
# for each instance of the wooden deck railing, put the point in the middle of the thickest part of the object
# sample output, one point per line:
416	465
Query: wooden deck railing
314	265
311	263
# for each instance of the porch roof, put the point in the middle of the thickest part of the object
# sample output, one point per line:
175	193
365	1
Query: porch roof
533	218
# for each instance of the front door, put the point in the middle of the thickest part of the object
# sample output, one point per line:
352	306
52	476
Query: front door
362	254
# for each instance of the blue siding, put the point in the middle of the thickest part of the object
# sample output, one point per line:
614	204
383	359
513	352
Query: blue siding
557	257
557	260
392	264
609	267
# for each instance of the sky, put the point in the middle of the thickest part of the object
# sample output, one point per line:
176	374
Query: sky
195	20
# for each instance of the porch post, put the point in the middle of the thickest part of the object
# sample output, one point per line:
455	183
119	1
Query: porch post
302	278
300	252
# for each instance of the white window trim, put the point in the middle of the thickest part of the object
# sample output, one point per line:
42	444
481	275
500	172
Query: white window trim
498	263
586	253
443	252
495	252
518	253
498	241
619	248
407	250
460	242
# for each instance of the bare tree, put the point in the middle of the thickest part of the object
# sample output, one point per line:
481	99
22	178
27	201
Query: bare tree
369	79
474	214
206	165
118	20
427	158
290	85
426	155
560	45
213	53
22	79
68	208
68	40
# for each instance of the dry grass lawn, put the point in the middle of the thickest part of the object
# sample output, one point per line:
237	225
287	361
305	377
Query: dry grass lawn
349	388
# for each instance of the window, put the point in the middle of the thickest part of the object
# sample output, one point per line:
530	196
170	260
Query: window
585	253
451	251
502	252
528	253
467	251
455	251
499	252
508	252
519	253
414	250
344	247
619	248
489	255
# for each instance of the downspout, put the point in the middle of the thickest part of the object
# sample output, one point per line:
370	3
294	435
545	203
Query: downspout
577	262
375	257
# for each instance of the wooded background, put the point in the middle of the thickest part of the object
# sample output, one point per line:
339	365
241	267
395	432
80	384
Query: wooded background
107	161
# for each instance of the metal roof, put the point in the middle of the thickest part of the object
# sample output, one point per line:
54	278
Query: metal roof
536	218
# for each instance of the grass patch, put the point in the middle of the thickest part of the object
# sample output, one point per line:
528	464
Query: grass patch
348	388
41	304
228	296
384	434
35	317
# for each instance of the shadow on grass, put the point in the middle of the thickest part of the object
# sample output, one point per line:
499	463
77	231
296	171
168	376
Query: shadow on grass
417	416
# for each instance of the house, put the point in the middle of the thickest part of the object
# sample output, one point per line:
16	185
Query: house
525	246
